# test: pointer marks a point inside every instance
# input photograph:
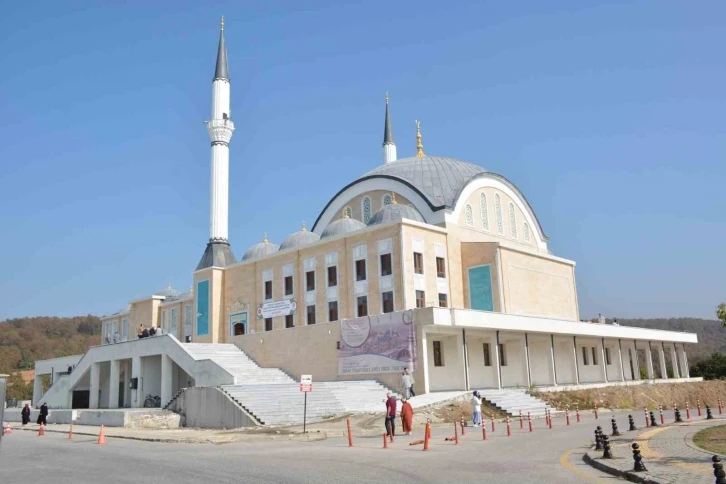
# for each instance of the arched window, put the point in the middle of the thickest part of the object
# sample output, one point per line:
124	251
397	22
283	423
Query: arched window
498	210
238	329
512	221
484	212
526	232
366	209
469	216
386	200
348	211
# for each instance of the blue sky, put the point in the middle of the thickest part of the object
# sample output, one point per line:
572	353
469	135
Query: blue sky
608	117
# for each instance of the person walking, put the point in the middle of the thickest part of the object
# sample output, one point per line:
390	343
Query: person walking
25	414
70	369
115	337
476	405
406	416
390	415
406	384
413	382
43	415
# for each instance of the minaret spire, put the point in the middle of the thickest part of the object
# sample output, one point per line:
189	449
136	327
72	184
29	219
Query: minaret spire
389	146
419	143
220	129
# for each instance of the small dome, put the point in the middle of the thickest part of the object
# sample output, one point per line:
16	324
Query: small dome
395	212
298	239
168	293
262	249
342	226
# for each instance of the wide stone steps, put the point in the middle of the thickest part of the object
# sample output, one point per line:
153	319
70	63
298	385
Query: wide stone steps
514	401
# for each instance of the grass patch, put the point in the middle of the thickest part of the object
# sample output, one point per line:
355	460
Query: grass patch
712	439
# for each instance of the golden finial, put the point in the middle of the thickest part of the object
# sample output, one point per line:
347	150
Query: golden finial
419	143
393	198
304	228
221	24
264	239
345	213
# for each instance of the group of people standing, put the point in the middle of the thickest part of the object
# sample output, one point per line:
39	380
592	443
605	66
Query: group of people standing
406	415
146	332
42	416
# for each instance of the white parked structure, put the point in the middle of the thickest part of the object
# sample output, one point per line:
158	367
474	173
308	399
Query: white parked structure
427	263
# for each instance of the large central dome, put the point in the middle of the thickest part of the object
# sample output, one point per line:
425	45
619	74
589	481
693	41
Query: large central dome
438	178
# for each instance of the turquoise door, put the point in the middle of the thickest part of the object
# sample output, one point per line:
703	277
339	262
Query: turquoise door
480	288
202	295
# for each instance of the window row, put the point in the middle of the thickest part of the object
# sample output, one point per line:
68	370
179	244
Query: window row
418	265
484	214
593	350
421	299
439	354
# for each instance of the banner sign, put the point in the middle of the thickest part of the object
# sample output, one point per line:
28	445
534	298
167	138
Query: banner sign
385	343
275	309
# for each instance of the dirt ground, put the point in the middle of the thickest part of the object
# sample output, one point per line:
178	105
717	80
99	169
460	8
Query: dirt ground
712	439
639	396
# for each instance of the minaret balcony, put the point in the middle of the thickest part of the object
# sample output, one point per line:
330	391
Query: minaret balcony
220	130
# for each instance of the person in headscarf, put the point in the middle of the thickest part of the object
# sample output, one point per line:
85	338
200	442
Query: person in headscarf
43	415
25	413
407	416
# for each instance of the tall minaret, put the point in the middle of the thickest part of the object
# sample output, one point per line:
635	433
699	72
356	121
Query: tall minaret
389	146
220	129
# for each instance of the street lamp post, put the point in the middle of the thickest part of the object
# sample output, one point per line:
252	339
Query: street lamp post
3	381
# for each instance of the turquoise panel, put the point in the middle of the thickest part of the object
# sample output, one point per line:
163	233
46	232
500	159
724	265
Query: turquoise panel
480	288
202	295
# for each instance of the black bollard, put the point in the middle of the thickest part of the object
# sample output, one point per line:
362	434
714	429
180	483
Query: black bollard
708	413
653	423
639	466
631	422
718	471
615	427
606	454
598	444
678	416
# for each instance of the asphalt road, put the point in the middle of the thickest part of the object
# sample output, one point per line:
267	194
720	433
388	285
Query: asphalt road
544	456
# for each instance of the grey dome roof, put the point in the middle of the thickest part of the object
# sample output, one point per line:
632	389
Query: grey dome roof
168	293
298	239
395	212
262	249
438	178
342	226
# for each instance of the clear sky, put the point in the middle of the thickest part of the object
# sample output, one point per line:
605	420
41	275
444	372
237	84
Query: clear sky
610	119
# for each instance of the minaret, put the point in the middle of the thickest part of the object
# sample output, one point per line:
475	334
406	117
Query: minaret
389	146
220	129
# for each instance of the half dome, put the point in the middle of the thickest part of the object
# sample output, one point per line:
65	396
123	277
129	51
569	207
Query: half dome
262	249
342	226
299	239
395	212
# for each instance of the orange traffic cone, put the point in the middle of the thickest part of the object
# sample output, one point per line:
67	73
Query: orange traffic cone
41	430
8	429
70	433
101	437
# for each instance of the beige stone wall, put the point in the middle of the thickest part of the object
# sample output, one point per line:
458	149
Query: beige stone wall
475	254
430	238
143	313
376	196
536	285
179	306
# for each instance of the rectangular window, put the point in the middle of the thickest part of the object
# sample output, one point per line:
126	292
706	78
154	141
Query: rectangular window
443	301
487	355
289	291
420	299
310	280
311	314
607	356
440	267
387	298
386	267
584	356
332	276
289	322
360	270
268	290
362	306
268	324
438	354
333	311
502	354
418	263
594	356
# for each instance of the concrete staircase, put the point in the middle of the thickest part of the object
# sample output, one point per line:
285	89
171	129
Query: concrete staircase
232	359
512	401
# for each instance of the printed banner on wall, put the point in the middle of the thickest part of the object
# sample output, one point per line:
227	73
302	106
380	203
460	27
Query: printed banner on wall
275	309
377	344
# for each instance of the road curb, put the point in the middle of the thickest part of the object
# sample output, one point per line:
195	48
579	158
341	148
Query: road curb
628	475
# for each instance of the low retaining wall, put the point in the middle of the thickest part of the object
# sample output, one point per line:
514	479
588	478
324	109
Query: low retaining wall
210	408
54	416
150	419
586	386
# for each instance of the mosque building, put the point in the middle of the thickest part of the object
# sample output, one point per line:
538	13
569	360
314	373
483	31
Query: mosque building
424	262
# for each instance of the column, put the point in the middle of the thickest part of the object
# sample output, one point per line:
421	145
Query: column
37	389
649	362
136	395
166	379
575	368
603	365
95	385
552	367
663	368
425	360
113	384
461	345
685	371
525	361
497	367
620	359
676	363
127	381
636	369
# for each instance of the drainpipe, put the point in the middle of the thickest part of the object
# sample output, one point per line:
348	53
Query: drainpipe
499	362
466	360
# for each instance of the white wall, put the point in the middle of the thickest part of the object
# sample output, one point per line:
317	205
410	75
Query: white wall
563	361
514	373
539	361
451	375
481	376
151	375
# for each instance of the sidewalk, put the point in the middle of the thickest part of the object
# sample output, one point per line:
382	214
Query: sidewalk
668	453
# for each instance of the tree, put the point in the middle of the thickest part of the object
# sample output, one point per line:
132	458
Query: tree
714	368
721	313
